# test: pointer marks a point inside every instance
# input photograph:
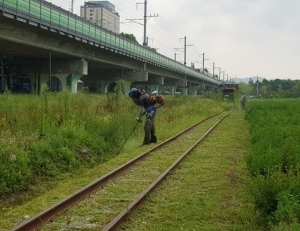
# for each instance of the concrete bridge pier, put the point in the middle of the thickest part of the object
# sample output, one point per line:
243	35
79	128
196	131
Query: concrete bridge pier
2	83
172	89
72	81
2	79
185	90
64	73
104	81
193	90
34	83
57	82
139	80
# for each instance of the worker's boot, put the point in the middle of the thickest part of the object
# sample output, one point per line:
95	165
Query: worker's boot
146	141
153	139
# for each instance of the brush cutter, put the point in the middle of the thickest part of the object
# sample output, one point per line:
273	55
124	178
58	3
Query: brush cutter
129	136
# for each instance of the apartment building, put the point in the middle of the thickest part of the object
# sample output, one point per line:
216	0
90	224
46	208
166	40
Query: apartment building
102	13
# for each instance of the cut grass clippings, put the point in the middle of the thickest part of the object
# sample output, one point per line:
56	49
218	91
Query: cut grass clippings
208	191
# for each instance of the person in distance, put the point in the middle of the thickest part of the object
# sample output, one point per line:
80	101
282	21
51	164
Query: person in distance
243	102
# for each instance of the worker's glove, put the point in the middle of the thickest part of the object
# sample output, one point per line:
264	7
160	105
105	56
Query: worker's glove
138	119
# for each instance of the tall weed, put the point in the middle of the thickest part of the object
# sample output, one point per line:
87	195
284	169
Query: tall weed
44	136
274	161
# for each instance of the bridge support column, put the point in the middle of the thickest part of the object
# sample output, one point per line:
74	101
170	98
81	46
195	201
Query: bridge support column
34	83
185	91
173	90
72	82
64	73
58	82
159	82
2	79
193	90
2	83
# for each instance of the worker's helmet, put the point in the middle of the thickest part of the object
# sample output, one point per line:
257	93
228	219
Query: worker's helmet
133	93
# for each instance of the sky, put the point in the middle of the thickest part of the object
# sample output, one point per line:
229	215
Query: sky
243	38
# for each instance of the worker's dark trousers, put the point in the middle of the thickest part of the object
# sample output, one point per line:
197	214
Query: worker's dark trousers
149	125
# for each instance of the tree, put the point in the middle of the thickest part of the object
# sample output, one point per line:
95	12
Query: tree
152	49
245	89
129	36
296	89
251	81
281	92
264	90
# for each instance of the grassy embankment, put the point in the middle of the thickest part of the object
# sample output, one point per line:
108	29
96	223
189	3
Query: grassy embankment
51	126
44	136
177	114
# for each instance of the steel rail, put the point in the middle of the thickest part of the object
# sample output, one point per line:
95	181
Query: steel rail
39	220
120	218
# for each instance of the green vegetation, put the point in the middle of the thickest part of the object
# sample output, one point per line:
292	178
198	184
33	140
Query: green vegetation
274	161
48	137
129	36
207	191
278	88
44	136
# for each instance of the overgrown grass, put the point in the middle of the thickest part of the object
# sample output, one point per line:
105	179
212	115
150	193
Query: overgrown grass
274	161
207	191
44	136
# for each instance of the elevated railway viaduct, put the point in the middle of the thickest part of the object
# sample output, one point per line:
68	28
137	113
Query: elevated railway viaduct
45	45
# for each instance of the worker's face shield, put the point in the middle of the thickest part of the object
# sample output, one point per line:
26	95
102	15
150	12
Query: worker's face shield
133	94
130	94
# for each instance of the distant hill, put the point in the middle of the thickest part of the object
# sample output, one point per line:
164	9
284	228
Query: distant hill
246	80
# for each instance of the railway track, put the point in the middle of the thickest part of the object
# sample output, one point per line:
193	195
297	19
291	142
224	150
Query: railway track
105	203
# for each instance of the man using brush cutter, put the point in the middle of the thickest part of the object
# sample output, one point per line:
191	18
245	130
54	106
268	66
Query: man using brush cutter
146	107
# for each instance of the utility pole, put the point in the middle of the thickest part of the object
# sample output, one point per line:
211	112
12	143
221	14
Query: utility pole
257	86
223	76
203	62
72	5
184	48
145	42
213	69
219	72
145	23
175	56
